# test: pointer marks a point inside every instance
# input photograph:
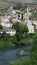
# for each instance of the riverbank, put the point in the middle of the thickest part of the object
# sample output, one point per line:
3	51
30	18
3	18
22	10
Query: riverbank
23	61
7	42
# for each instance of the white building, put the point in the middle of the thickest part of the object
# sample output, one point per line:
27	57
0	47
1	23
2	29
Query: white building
34	22
5	22
7	25
30	26
10	32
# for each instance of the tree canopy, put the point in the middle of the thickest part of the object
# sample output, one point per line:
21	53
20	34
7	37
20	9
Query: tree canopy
21	32
1	27
20	27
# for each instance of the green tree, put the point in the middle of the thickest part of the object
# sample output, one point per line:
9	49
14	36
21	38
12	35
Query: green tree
20	27
21	30
1	27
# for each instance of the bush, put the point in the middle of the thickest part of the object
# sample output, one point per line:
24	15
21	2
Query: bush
32	35
25	41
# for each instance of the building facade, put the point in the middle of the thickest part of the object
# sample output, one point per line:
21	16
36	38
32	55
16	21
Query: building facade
30	26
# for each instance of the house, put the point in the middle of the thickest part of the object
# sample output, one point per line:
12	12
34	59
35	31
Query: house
34	22
27	13
19	14
10	32
30	26
5	22
7	25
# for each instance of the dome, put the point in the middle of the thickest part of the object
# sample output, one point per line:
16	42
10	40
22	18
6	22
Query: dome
27	22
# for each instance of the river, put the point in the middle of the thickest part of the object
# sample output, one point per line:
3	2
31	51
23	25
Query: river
10	55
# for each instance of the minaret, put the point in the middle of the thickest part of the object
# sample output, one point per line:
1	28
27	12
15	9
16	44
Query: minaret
27	10
11	8
27	14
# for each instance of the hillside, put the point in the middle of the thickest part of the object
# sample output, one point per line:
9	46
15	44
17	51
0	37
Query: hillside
25	1
5	4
